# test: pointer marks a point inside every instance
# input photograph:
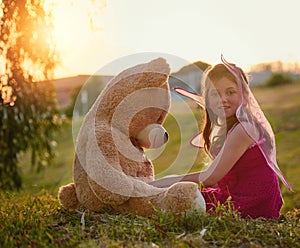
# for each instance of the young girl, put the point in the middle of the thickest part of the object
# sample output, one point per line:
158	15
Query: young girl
241	142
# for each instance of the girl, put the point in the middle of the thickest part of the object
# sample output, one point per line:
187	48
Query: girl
240	140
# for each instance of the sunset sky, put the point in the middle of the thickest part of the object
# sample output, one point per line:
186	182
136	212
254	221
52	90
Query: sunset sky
245	31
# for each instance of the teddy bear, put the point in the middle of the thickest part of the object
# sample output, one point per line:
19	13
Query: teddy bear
111	170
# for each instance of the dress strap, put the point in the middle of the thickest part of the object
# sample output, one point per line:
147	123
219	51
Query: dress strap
258	143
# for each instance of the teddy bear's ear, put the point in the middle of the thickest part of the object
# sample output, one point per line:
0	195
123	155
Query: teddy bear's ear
134	74
158	65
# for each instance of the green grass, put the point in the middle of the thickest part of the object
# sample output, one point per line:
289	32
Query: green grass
60	173
34	218
38	221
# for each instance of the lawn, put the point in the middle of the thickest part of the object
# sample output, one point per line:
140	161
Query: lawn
34	218
37	220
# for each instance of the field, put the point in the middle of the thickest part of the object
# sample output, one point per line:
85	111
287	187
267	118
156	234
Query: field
34	218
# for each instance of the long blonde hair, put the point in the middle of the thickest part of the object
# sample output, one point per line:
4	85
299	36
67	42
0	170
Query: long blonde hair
211	75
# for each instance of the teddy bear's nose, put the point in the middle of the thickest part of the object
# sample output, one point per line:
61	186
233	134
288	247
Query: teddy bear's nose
166	137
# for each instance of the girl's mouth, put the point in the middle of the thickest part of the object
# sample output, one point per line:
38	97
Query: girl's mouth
224	107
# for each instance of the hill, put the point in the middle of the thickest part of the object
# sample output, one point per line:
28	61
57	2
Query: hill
187	77
65	86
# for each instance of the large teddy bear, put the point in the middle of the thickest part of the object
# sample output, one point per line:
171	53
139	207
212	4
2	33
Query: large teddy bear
111	170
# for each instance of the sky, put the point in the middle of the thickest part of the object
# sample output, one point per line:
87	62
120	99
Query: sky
246	32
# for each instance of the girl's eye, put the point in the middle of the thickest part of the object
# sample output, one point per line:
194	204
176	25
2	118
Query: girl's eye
231	92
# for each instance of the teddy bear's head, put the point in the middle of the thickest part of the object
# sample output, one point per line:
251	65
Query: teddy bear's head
139	100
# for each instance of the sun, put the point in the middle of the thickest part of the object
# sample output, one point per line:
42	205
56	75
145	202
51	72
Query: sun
71	25
76	24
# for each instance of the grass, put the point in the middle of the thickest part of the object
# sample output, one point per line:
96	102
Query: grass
34	218
38	221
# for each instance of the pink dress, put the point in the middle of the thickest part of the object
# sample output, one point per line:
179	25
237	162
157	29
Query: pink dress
252	186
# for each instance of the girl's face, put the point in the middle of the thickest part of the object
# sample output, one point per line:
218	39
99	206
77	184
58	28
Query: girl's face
224	97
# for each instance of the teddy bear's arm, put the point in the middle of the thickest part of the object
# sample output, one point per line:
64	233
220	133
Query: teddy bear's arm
142	170
106	178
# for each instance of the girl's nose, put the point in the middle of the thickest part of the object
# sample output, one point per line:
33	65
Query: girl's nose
223	98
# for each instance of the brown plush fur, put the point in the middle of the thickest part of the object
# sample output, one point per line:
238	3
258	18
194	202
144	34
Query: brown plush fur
111	169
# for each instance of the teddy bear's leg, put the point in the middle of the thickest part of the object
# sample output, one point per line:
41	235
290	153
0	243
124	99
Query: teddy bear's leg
142	206
180	197
105	195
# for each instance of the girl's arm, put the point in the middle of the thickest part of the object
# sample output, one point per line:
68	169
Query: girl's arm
236	143
169	180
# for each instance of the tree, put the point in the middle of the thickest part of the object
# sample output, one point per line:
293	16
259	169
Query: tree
28	113
278	79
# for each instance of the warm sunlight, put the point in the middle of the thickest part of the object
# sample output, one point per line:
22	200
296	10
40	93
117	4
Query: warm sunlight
71	24
91	34
78	26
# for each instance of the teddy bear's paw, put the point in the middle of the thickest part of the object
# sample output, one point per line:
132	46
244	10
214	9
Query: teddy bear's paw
199	202
67	196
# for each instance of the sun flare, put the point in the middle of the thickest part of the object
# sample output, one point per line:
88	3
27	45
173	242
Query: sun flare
76	24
